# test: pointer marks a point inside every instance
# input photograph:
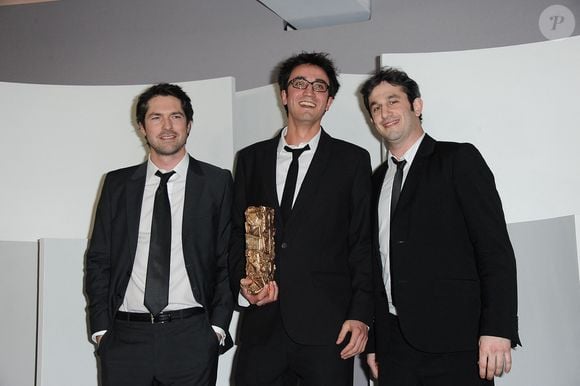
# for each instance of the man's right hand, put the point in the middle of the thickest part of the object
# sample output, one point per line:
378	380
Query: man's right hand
268	294
373	365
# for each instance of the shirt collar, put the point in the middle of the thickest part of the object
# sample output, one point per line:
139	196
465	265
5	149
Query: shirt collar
313	143
180	169
409	154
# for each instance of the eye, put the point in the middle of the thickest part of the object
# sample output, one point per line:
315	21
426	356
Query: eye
319	86
392	102
300	83
375	109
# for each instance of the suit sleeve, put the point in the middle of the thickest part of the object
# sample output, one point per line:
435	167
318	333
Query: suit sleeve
98	264
359	238
222	303
238	242
484	217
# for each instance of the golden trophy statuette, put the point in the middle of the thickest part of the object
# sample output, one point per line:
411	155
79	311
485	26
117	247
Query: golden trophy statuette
260	232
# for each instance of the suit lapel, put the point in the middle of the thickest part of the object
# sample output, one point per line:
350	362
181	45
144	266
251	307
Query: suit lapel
377	186
134	198
269	177
414	176
312	180
194	186
377	183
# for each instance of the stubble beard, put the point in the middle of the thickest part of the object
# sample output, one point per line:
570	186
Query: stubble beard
167	149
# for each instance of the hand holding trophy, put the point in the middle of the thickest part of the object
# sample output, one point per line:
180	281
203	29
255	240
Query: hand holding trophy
260	244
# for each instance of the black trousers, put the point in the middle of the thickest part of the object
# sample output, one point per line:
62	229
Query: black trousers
403	365
282	362
179	353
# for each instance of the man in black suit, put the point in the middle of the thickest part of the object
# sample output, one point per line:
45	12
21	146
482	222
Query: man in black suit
156	272
445	282
313	318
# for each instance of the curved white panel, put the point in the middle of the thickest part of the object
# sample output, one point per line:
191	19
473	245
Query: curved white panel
58	141
519	105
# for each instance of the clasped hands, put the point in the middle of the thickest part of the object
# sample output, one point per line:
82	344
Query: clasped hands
357	329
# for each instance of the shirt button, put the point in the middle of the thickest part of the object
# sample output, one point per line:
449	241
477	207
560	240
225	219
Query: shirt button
284	245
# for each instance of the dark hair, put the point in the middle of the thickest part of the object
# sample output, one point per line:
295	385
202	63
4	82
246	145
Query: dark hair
163	89
394	77
319	59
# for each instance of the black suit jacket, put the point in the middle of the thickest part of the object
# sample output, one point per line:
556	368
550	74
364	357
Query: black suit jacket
452	264
205	237
323	254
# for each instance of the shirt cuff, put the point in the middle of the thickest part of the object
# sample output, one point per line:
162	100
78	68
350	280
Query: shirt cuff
242	301
221	333
96	334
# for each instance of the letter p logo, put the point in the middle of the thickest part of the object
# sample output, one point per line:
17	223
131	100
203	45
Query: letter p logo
556	22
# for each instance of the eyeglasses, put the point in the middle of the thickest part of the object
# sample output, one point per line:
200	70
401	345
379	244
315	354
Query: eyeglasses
301	84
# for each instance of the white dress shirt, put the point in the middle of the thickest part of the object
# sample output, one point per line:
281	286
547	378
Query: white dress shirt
180	292
284	158
384	213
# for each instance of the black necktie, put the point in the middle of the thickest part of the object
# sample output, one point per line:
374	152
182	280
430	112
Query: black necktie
290	185
397	183
157	282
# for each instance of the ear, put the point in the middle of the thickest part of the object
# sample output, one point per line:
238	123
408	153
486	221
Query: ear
142	130
284	97
418	106
328	103
188	128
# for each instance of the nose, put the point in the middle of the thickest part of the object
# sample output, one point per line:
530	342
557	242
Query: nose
384	111
167	123
309	89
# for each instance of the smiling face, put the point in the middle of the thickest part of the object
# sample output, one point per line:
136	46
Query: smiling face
165	127
306	106
396	120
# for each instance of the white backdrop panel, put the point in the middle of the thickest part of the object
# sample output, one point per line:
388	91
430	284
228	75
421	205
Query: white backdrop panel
18	304
519	105
64	353
58	141
548	304
346	118
258	115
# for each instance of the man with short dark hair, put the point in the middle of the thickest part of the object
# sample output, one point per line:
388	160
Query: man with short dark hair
445	282
156	271
312	319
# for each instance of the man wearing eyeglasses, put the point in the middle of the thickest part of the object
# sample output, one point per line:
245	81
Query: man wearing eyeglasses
312	319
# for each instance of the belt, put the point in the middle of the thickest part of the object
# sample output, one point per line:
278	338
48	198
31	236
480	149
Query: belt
162	317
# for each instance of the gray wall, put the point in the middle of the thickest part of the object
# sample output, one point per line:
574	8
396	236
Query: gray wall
146	41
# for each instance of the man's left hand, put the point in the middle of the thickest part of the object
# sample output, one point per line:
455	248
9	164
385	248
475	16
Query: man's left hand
358	338
495	356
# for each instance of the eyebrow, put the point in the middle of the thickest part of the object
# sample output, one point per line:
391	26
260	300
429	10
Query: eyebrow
315	80
392	96
154	113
